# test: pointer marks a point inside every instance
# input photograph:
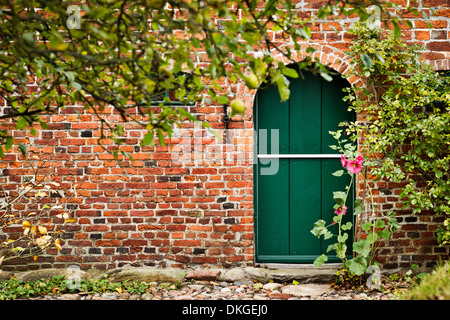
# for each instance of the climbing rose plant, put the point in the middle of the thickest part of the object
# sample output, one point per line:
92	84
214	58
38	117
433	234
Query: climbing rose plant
373	224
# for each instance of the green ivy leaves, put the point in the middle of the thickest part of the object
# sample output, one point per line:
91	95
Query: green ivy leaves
408	124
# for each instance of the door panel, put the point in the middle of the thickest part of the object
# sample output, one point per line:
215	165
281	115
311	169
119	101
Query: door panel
305	203
304	106
334	111
273	117
273	200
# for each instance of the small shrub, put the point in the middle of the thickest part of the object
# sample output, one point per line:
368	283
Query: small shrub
435	286
33	207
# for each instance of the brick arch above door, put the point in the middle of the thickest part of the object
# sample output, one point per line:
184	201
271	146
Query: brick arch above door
332	57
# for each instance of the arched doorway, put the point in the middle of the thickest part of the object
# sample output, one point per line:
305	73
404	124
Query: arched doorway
293	181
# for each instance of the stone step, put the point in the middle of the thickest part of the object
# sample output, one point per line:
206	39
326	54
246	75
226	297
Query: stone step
275	273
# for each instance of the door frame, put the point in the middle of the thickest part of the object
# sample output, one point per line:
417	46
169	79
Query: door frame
290	259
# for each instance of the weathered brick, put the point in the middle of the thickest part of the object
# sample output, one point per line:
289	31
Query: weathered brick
187	243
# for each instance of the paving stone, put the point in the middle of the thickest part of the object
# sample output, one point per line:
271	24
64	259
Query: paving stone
184	297
272	286
110	295
282	296
196	287
311	290
204	274
69	296
147	296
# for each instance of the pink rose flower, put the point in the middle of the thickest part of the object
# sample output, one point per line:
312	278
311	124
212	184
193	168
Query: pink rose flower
359	159
343	160
342	210
355	166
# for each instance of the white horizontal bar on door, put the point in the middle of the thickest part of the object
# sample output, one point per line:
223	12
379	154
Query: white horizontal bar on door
299	156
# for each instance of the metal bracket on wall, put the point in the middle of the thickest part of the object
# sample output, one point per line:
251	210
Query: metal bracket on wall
226	119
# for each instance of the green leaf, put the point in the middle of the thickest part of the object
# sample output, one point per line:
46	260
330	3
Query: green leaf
186	114
161	138
367	226
148	139
347	226
342	238
76	85
366	60
362	247
357	265
337	218
384	234
379	56
276	27
222	99
319	228
320	260
9	143
326	76
310	50
339	197
338	173
397	30
372	237
21	123
341	249
380	224
358	205
28	36
331	247
23	148
328	235
284	92
291	73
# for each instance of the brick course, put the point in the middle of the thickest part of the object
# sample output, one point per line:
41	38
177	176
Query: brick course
190	203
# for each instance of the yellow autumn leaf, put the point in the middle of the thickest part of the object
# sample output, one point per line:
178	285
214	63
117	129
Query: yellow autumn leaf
119	290
58	244
35	258
33	230
26	224
42	230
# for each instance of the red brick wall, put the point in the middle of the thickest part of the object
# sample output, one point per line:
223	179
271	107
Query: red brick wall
190	203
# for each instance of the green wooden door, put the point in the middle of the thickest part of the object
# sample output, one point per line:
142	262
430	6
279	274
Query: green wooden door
293	182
